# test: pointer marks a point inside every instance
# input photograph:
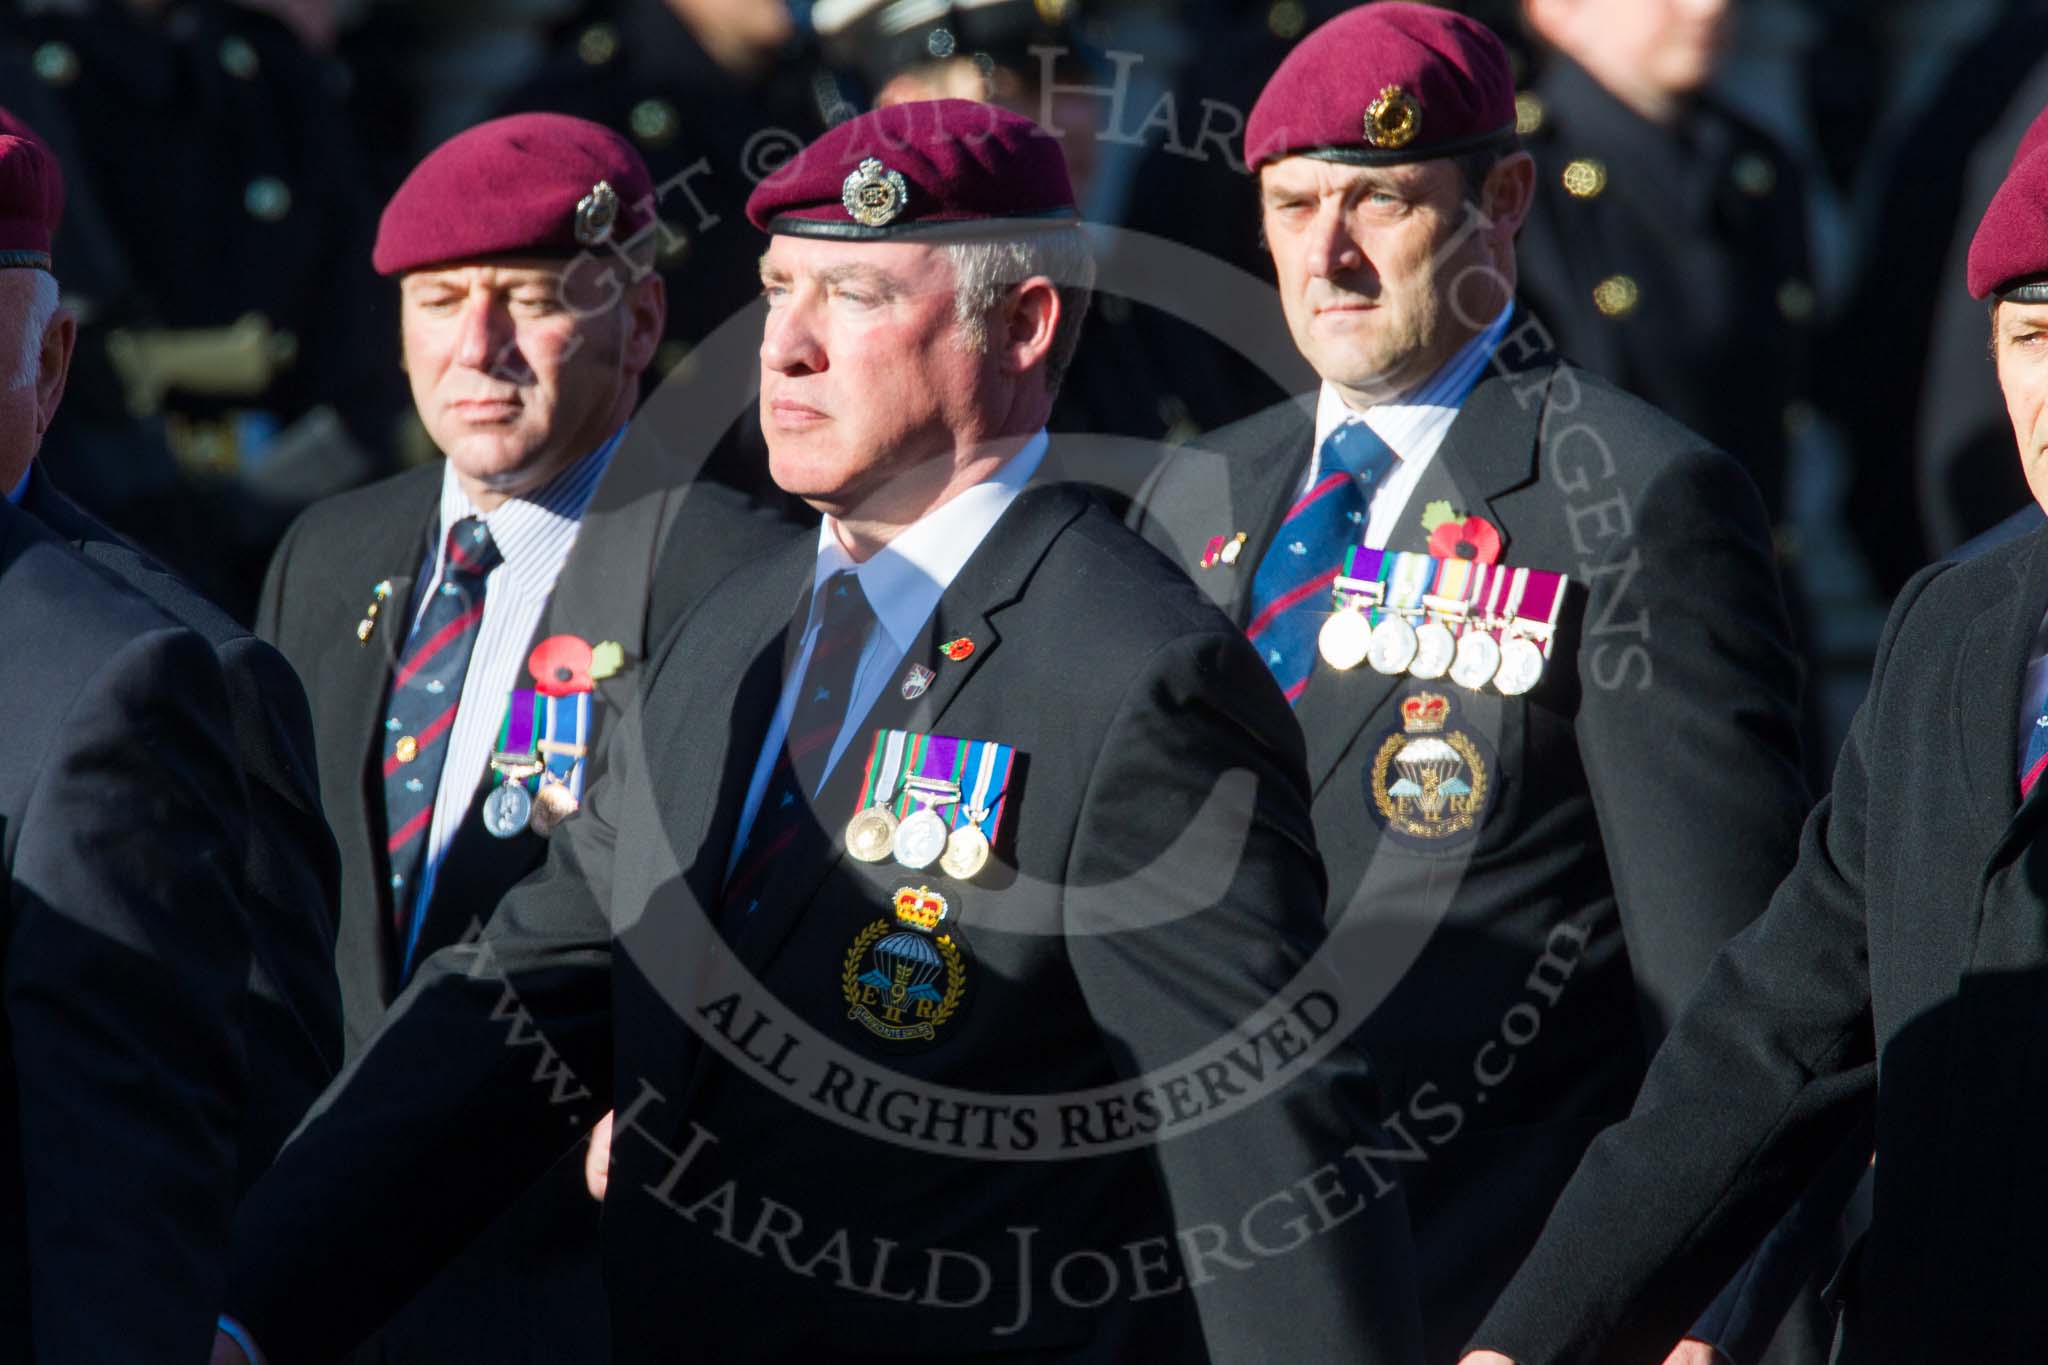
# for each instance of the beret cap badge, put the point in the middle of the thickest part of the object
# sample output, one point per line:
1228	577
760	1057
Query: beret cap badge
596	212
1392	119
873	194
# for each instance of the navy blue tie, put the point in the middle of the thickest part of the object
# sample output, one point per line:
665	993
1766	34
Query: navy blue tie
426	691
814	723
1290	591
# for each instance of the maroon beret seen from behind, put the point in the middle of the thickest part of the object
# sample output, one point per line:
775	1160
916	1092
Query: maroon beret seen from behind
539	184
945	168
1384	84
31	202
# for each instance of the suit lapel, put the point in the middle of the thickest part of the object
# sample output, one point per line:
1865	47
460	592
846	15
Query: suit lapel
1261	491
993	577
359	676
1994	655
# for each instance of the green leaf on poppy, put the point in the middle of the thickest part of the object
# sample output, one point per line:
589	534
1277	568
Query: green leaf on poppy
606	659
1437	513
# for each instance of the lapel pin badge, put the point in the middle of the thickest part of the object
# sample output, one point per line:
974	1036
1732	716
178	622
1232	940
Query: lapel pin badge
1223	550
957	649
916	681
368	625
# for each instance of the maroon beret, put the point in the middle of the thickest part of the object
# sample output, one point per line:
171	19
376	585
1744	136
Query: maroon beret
536	184
1383	84
926	168
2009	254
31	201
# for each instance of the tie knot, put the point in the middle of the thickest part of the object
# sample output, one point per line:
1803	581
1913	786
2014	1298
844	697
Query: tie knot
1357	448
843	607
471	551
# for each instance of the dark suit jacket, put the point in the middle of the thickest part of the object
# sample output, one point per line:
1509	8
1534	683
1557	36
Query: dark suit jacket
292	873
1645	796
124	966
1156	700
643	554
1899	967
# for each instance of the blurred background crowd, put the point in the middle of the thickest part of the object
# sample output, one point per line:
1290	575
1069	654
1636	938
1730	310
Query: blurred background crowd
1753	214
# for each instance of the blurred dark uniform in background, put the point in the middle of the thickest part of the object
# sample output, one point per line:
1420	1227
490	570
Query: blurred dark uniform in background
715	94
235	357
1144	374
1674	261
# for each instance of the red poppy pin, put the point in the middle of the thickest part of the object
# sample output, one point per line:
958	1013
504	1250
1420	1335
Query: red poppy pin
560	666
956	650
1452	536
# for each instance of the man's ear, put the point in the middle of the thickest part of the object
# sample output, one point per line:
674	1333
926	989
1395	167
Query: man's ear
1021	338
646	310
59	339
1508	194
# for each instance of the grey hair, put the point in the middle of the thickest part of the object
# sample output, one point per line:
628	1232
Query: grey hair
42	306
984	271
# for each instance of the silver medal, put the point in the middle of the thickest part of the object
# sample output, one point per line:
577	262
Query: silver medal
507	809
1344	639
1393	646
1477	660
1435	647
1521	666
920	839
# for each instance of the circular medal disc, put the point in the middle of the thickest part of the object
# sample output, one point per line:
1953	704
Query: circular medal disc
1435	647
966	853
1393	646
871	834
1344	639
920	839
1521	666
552	804
507	810
1477	660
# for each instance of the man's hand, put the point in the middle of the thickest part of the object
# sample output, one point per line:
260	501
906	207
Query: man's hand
597	1162
226	1352
1692	1352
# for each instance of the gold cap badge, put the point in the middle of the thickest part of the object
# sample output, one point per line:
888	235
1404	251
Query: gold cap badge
596	212
1393	119
873	194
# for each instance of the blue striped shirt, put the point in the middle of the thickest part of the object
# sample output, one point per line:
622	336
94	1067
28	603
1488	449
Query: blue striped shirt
534	532
1413	426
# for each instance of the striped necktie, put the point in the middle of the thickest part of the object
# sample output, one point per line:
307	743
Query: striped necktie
814	723
2036	761
1290	592
425	694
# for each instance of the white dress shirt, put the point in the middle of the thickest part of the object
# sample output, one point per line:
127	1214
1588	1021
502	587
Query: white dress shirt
903	582
534	533
1413	425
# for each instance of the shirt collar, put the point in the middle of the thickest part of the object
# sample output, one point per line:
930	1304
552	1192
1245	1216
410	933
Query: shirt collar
533	530
20	489
1412	423
904	580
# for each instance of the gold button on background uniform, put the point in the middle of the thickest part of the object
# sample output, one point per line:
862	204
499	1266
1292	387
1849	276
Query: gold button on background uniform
654	122
598	45
1584	178
1754	175
1616	296
239	59
1529	113
268	199
56	63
